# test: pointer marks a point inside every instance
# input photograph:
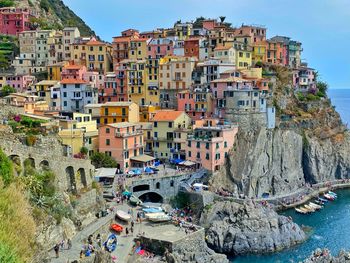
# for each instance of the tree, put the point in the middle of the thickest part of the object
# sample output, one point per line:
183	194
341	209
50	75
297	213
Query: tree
6	90
84	150
102	160
6	3
322	86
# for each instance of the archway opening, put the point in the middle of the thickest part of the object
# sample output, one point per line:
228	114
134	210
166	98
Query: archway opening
72	186
44	165
82	174
151	197
139	188
29	162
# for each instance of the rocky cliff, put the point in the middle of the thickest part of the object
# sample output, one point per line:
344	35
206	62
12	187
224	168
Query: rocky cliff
248	228
324	256
309	145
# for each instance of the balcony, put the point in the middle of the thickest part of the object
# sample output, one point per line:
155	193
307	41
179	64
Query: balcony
130	134
163	139
77	98
120	76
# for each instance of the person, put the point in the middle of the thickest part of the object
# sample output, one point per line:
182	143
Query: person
69	244
57	249
132	223
81	253
132	230
126	231
90	239
98	240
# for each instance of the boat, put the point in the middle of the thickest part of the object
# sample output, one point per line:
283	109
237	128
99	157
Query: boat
117	228
303	209
322	200
135	201
123	215
311	209
158	219
153	215
329	197
332	194
300	211
317	207
152	210
111	243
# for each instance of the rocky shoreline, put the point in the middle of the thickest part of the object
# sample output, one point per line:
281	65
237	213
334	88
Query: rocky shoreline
324	256
236	229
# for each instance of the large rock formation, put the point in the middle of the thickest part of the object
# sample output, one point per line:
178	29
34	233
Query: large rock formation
324	256
248	228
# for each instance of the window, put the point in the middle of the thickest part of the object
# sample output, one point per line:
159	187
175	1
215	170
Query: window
156	134
64	94
172	183
207	156
198	155
108	130
225	144
155	124
198	145
217	145
189	153
189	143
158	185
170	124
108	142
64	103
207	145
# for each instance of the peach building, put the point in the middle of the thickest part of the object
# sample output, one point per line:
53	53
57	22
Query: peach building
209	144
124	142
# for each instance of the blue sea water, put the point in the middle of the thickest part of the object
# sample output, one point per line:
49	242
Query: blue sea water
330	227
341	100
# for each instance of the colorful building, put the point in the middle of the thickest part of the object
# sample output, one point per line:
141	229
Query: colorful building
124	142
94	54
121	111
121	45
14	20
165	122
209	145
259	52
159	47
45	90
138	49
54	70
304	78
175	75
20	82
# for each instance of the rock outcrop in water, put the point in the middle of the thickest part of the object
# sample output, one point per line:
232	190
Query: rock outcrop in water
323	256
234	228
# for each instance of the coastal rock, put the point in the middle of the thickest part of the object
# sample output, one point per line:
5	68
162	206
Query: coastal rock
324	256
248	228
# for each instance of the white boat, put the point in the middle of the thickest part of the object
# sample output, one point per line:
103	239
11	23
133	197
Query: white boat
154	215
164	218
123	215
300	211
315	206
311	209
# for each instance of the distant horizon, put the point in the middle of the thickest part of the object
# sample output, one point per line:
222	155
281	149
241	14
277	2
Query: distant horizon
321	38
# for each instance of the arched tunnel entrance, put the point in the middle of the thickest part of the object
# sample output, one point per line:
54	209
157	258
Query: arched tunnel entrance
72	186
151	197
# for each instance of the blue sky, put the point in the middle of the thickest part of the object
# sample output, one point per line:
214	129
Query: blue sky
323	26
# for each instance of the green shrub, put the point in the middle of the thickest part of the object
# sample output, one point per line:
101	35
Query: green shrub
84	150
30	140
102	160
311	97
44	4
6	169
300	96
6	90
6	3
320	94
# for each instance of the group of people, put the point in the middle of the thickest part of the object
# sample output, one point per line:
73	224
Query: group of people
91	245
64	244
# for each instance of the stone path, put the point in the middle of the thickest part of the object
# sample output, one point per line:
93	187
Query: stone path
124	243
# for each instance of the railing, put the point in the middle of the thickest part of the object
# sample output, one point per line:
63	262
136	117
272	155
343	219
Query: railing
119	134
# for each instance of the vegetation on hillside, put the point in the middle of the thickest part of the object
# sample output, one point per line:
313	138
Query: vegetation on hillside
17	226
6	3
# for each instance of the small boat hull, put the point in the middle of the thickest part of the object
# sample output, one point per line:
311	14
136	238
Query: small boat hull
135	201
117	228
123	215
111	243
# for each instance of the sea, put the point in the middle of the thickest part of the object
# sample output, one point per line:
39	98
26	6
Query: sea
329	227
341	100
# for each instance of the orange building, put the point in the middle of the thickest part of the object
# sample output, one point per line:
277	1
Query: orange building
191	47
124	142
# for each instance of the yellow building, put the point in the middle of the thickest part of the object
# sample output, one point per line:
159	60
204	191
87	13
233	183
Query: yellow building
147	112
138	49
252	73
259	52
165	123
121	111
36	107
243	57
54	70
80	131
152	82
136	81
95	55
45	91
3	81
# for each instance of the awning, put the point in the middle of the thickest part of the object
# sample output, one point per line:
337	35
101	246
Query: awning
142	158
176	161
187	163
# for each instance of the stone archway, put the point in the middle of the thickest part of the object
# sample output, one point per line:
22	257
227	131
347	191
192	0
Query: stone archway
82	174
44	165
72	186
151	197
16	160
30	162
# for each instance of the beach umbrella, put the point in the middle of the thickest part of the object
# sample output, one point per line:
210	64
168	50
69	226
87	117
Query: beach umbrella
148	170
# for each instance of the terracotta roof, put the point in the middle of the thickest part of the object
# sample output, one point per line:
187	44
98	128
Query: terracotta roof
73	81
167	115
95	43
222	47
73	66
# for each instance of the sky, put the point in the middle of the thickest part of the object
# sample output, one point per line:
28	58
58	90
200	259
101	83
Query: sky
323	26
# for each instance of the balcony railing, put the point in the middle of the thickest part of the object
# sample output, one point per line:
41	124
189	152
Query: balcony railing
123	135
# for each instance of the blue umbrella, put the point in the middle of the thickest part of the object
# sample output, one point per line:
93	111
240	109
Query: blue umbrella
137	171
148	170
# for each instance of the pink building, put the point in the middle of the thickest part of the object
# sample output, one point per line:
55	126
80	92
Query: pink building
159	47
196	103
20	82
210	144
124	142
304	79
14	20
73	71
110	90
